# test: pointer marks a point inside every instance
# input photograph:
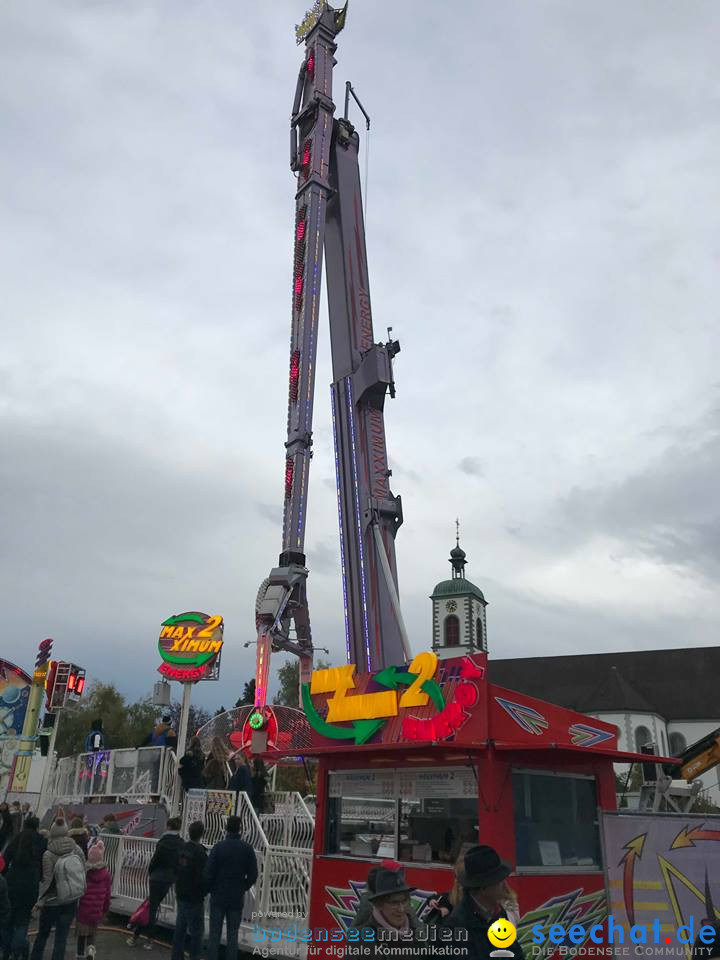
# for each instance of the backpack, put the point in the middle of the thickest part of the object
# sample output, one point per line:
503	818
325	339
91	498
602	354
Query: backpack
94	741
70	880
159	736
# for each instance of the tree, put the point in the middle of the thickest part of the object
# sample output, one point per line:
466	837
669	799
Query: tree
296	778
124	725
248	694
197	718
289	676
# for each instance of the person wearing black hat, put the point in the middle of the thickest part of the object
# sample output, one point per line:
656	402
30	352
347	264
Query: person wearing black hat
483	879
394	934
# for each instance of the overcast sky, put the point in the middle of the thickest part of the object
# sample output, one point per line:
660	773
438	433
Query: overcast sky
543	235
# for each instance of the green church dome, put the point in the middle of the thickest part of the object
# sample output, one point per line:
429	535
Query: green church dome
459	586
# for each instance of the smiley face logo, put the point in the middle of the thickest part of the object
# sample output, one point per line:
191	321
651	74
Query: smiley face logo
502	934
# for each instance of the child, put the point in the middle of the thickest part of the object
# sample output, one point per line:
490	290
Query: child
95	903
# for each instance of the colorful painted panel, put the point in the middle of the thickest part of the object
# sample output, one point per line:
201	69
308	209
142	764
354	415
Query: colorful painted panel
14	693
663	867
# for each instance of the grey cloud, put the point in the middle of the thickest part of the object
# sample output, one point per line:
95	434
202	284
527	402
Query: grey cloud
549	267
270	511
668	510
324	556
472	466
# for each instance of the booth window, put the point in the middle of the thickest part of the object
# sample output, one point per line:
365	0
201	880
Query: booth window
452	631
556	821
416	816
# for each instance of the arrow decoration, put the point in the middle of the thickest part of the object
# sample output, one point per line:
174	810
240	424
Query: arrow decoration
634	852
524	716
391	678
360	731
583	735
689	835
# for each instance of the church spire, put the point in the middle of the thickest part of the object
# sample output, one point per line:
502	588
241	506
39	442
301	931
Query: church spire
457	555
459	625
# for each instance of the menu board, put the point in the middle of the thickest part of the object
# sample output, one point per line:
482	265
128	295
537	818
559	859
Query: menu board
425	783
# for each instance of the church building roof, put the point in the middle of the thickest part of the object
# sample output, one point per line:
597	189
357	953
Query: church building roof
676	684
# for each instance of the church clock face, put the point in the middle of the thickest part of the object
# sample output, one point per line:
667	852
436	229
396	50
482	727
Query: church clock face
451	606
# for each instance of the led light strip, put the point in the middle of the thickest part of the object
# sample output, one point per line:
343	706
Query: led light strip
348	388
340	524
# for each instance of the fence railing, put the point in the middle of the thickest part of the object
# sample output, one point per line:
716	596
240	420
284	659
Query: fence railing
139	776
282	889
288	822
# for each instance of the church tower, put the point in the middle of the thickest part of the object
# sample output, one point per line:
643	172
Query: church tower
458	610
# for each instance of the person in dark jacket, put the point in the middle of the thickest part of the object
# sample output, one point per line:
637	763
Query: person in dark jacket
39	843
230	872
16	818
23	882
241	780
190	767
4	914
95	740
162	735
162	871
190	894
259	783
483	879
6	826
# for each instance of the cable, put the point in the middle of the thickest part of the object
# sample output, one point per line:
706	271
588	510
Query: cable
367	167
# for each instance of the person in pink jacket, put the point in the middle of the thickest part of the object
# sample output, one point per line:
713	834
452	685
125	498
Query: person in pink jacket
95	903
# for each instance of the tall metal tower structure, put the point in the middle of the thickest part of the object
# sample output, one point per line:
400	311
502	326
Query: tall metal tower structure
329	219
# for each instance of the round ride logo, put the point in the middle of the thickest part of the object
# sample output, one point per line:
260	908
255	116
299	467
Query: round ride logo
190	645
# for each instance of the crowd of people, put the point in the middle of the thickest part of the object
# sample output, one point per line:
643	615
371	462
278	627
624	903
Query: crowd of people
220	770
225	875
60	875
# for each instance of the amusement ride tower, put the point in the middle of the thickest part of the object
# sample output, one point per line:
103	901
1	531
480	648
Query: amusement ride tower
329	219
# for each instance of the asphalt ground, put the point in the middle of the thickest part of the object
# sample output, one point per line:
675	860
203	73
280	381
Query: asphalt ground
110	943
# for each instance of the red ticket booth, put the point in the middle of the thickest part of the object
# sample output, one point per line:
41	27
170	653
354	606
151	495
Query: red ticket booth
415	763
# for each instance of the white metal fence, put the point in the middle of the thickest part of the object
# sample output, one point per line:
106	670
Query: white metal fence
282	837
288	823
282	890
138	776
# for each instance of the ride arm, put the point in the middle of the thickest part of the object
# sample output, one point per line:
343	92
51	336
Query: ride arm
701	756
282	601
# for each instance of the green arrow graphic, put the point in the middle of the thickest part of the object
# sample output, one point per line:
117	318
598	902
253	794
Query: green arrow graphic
182	618
432	689
360	731
391	677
